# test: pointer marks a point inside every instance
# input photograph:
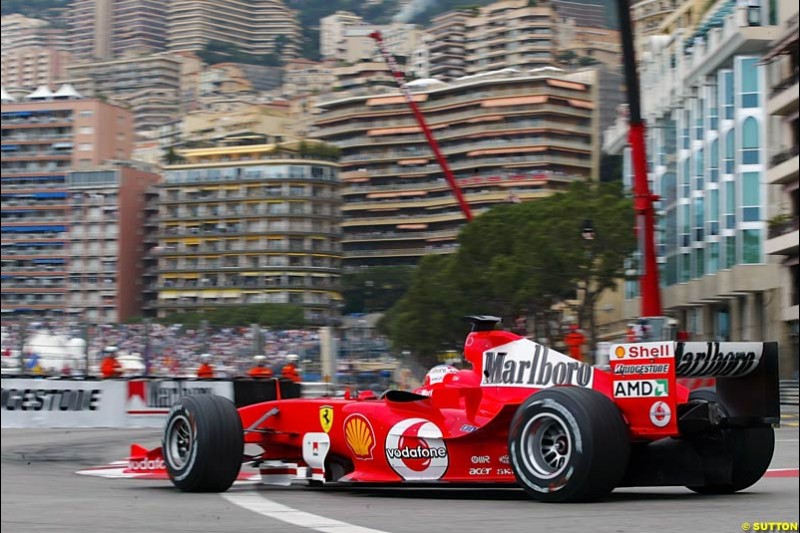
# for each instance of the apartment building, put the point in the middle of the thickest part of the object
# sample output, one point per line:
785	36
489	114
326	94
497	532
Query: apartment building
447	45
511	34
256	27
332	32
213	126
508	137
44	137
250	223
647	17
151	86
19	31
105	29
582	13
31	66
783	66
705	101
302	76
108	210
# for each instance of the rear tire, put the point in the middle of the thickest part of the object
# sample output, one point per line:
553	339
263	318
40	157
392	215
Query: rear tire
750	451
203	444
568	444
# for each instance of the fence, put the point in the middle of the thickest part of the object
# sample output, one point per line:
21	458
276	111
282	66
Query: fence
51	349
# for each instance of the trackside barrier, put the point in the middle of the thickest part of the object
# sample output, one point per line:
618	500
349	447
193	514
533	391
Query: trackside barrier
45	403
117	403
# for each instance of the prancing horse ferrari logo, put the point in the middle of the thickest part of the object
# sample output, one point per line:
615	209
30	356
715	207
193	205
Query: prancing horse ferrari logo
326	417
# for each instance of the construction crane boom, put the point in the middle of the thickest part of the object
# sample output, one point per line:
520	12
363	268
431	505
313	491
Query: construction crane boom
400	78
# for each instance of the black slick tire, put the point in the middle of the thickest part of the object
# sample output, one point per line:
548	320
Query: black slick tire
750	451
203	444
568	444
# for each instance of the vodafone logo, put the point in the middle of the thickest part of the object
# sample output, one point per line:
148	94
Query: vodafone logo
660	414
416	450
147	464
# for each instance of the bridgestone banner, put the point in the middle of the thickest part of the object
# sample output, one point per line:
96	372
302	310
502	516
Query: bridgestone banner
55	403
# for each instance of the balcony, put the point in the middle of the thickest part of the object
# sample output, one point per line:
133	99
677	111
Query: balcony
735	36
783	100
784	166
782	238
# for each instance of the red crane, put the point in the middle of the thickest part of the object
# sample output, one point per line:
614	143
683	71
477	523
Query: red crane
398	76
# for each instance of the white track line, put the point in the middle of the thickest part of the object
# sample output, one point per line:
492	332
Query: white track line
254	502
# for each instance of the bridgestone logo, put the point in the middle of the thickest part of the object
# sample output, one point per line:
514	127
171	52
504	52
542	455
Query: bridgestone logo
420	452
524	363
631	370
720	359
50	399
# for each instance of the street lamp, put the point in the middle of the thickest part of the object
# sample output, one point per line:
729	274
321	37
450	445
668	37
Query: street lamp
588	234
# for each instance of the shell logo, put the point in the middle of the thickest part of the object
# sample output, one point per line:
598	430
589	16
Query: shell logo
359	436
619	352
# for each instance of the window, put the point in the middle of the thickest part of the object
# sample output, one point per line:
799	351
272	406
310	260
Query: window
86	130
730	205
750	196
750	142
730	252
685	225
712	264
686	267
86	114
713	161
749	82
751	246
698	169
699	216
686	179
713	212
698	120
685	131
727	77
713	111
699	263
730	151
85	147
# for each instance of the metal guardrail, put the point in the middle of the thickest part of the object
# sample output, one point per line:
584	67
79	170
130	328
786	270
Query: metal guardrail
789	392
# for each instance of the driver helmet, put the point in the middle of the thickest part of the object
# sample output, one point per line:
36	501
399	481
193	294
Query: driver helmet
436	374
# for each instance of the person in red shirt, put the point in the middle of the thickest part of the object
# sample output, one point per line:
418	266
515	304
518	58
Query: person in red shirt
110	367
574	341
260	370
289	370
205	370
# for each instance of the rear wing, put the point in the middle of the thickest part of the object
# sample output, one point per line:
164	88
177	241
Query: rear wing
747	376
645	385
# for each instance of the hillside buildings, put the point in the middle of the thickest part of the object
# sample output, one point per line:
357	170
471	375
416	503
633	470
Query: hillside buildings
711	161
250	223
508	136
51	143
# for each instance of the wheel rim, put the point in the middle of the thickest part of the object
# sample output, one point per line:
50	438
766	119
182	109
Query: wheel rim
546	445
179	441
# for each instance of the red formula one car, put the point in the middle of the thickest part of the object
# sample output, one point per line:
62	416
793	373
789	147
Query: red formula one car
522	415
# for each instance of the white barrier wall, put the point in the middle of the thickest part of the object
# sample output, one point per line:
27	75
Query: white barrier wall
30	403
147	402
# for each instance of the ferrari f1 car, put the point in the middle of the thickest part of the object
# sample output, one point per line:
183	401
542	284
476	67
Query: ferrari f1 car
522	415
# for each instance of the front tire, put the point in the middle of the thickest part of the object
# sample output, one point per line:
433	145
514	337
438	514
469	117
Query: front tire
750	451
203	444
568	444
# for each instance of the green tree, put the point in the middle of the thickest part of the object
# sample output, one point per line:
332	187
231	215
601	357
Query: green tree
428	319
375	288
519	259
283	316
